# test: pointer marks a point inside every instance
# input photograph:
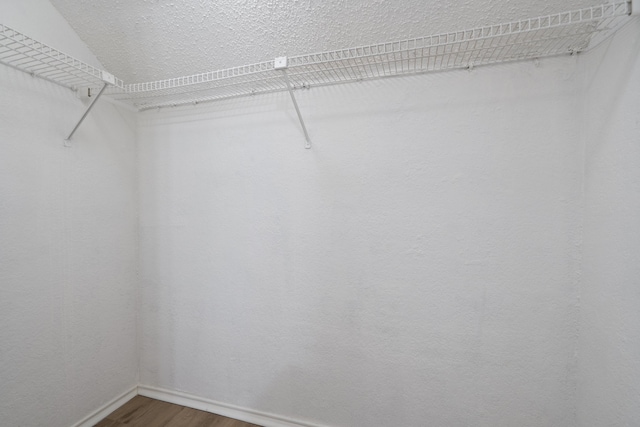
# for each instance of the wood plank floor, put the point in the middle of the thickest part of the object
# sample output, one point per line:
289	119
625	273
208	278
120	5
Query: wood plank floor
145	412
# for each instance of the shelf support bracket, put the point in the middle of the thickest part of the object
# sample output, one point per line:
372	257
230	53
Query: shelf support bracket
281	64
108	79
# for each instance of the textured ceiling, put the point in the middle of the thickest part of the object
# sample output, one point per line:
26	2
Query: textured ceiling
143	40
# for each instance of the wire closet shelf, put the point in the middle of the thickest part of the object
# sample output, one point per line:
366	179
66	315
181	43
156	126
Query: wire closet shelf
38	59
563	33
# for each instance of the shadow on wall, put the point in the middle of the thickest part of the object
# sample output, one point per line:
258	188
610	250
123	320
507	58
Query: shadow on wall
608	388
609	97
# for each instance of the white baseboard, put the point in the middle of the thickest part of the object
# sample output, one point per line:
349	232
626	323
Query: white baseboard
97	416
226	410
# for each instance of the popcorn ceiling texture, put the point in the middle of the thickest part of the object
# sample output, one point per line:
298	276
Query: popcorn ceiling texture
143	40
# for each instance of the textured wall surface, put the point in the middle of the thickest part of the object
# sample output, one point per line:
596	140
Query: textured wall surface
456	249
67	243
142	40
608	391
417	267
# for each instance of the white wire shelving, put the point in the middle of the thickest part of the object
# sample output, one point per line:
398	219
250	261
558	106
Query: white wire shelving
563	33
38	59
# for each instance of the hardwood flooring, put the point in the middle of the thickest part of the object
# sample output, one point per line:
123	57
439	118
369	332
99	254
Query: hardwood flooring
145	412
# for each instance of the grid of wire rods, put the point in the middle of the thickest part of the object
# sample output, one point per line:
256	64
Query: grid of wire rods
26	54
562	33
196	79
441	57
538	25
567	32
240	85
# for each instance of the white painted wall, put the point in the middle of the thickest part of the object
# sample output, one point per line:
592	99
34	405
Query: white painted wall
608	392
68	251
417	267
456	249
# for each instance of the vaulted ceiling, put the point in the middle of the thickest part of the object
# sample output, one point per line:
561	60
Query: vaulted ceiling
144	40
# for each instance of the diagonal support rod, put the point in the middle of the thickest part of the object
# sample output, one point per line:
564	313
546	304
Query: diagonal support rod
85	114
295	104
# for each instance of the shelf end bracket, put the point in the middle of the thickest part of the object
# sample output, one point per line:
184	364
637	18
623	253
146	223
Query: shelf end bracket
108	79
280	63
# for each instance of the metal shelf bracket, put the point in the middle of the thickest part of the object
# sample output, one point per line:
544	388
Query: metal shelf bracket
280	63
108	79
